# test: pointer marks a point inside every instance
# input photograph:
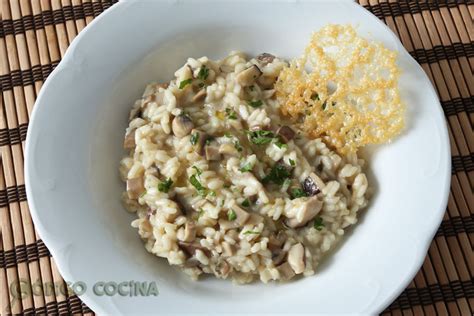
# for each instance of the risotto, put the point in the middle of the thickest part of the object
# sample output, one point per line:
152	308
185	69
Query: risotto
223	184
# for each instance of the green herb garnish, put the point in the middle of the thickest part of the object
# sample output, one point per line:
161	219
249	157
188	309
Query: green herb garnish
209	140
292	162
203	73
143	194
246	168
184	83
278	174
255	104
194	138
165	186
281	145
260	137
314	97
198	171
297	193
202	191
249	232
238	146
231	115
200	213
231	216
318	223
212	193
245	203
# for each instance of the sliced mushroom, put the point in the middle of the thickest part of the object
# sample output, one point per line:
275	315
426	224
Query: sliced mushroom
229	250
310	209
266	82
286	133
182	125
190	248
254	219
276	242
313	184
278	256
200	141
241	216
286	272
192	263
189	232
248	76
228	149
201	95
212	152
296	258
129	140
265	59
184	205
135	187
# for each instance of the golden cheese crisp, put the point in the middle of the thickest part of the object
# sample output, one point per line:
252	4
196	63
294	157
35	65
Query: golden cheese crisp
343	89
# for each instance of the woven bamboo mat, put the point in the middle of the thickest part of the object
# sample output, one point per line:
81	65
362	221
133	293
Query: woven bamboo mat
34	35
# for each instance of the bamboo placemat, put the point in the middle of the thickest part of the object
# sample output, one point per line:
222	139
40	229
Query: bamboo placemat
34	35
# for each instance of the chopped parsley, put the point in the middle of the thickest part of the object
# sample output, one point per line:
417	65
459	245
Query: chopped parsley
143	194
198	171
245	203
246	168
281	145
194	138
212	193
292	162
231	115
203	73
202	191
261	137
228	135
200	213
297	193
231	216
184	83
250	232
165	186
255	104
318	223
209	140
238	146
278	174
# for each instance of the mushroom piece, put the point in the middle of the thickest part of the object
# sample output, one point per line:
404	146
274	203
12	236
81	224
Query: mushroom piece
313	184
241	216
276	242
278	256
296	258
201	95
254	219
190	248
182	125
286	133
129	140
286	272
200	141
310	209
212	152
135	187
229	249
228	149
189	232
248	76
265	59
184	205
266	82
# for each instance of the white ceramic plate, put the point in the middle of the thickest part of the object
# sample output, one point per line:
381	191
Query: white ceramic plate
74	147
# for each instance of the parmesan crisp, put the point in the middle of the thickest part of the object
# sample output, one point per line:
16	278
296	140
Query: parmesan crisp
343	89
